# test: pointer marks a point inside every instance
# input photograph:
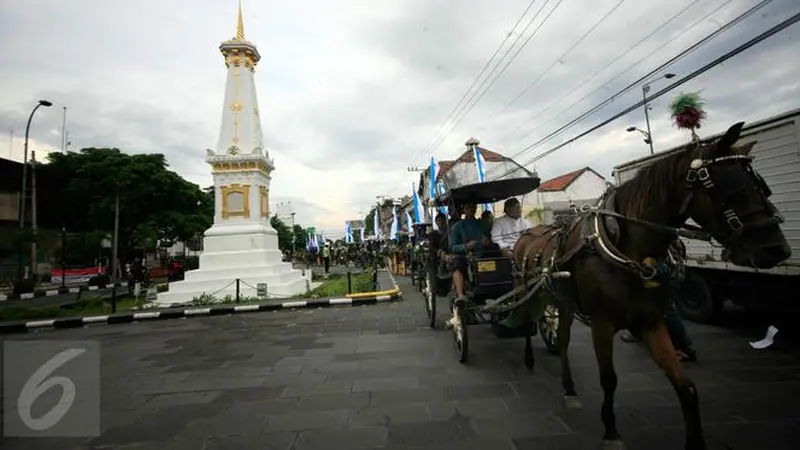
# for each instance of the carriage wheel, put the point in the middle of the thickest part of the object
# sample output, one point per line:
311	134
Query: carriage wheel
548	328
460	334
429	295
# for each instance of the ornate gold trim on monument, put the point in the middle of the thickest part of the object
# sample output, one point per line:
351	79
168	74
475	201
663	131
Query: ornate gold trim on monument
232	189
264	200
246	166
237	58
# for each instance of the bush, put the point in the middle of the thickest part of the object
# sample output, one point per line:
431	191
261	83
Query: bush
24	286
100	279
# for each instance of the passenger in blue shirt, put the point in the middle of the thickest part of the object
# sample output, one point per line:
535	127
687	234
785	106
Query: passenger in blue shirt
468	234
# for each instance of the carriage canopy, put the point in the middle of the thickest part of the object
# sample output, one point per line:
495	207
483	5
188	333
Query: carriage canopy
503	178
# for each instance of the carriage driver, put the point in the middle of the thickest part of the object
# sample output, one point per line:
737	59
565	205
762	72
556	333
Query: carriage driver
508	229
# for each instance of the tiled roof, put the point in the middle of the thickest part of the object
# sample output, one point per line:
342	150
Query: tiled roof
469	156
562	182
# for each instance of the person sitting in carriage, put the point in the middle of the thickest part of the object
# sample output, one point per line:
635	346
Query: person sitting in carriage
467	235
437	241
508	228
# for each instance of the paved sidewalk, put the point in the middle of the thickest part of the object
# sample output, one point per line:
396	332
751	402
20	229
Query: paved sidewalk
376	377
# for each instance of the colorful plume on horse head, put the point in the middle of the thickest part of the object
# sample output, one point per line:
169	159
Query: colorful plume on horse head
687	111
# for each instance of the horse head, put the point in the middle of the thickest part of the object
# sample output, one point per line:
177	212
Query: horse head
730	200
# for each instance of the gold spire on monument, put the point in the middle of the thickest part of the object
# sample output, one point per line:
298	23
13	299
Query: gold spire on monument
240	25
238	51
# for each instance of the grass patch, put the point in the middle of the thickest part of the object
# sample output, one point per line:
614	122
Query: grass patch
86	307
336	286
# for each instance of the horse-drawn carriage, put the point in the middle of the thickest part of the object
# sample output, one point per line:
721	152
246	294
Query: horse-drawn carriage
494	286
604	262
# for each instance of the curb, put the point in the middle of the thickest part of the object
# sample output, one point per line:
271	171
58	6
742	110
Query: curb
52	292
139	316
395	290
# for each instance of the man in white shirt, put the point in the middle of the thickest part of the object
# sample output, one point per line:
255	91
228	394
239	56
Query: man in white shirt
507	230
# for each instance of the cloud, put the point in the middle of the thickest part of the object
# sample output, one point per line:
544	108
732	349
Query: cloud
350	93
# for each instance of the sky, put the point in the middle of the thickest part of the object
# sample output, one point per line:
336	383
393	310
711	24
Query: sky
353	92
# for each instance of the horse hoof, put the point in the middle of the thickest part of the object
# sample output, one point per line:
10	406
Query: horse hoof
613	445
572	402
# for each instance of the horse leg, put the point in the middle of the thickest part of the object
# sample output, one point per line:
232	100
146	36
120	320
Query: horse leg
565	319
528	356
603	339
660	345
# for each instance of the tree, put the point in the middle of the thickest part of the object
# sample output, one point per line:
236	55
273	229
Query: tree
155	202
369	223
300	237
284	233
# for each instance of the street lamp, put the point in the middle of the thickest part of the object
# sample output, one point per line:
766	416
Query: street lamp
645	90
22	200
646	135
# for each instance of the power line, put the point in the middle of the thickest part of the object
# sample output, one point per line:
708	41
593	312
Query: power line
620	56
483	70
564	55
761	37
508	63
677	57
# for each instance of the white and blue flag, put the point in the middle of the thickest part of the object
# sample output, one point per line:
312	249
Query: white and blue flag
480	166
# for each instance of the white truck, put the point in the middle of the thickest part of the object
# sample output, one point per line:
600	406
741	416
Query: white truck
710	279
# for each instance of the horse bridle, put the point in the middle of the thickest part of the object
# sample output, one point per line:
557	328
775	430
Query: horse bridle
699	175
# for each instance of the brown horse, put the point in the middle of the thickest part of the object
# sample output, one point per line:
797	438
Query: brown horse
605	249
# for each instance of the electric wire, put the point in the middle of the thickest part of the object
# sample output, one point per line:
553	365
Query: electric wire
564	55
475	81
635	83
620	56
741	48
468	109
505	67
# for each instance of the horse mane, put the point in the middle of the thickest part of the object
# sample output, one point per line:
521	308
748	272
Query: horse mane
653	187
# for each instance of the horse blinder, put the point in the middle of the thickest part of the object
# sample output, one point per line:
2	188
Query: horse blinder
699	171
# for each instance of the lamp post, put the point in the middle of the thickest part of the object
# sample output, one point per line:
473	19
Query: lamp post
645	90
22	197
646	135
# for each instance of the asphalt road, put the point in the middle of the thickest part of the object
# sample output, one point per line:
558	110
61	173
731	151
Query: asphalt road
376	377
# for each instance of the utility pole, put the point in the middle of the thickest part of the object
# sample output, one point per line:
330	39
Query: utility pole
63	289
114	256
34	259
294	238
10	143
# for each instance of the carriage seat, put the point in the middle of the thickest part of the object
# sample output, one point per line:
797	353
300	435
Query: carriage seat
492	276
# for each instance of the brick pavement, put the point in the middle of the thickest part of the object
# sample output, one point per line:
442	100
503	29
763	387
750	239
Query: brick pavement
375	377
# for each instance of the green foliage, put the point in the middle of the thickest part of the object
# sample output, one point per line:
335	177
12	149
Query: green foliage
300	237
285	235
156	204
369	223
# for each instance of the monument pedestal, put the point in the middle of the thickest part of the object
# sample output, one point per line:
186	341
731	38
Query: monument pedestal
247	251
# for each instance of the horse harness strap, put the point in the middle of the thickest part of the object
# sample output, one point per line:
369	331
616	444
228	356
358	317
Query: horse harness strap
596	232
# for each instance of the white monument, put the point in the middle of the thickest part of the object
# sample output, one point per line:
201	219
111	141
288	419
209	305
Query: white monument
241	244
